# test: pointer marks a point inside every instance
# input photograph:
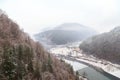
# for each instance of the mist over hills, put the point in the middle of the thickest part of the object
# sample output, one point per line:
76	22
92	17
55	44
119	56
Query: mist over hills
104	46
65	33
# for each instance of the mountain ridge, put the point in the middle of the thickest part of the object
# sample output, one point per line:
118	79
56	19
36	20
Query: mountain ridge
65	33
104	46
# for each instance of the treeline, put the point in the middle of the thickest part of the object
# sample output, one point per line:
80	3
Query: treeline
23	59
104	46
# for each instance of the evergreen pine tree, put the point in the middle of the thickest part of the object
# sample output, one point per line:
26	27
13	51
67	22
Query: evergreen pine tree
8	64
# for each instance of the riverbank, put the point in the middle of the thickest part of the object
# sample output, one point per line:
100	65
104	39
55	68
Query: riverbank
99	64
112	77
108	68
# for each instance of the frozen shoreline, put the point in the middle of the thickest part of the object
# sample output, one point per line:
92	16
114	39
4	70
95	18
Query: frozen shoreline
113	69
76	65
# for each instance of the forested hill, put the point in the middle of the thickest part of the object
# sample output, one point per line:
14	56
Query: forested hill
105	46
23	59
65	33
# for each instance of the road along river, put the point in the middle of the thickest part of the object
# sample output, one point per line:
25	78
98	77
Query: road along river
89	71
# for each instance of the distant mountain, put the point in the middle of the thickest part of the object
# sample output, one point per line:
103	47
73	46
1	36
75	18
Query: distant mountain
65	33
21	58
104	46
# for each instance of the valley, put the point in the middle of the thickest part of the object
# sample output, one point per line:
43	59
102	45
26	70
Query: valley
73	53
59	40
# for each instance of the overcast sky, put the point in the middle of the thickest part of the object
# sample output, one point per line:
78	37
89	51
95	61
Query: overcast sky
34	15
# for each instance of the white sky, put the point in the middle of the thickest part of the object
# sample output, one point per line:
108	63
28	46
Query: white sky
34	15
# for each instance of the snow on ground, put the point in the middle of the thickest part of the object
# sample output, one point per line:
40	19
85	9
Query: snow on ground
57	51
76	53
76	65
108	68
117	73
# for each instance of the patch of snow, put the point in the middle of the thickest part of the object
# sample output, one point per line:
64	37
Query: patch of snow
116	73
76	65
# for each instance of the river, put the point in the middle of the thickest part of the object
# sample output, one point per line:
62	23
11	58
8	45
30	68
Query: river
89	72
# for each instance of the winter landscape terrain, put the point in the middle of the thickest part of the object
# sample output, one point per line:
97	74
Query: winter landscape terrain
59	39
73	53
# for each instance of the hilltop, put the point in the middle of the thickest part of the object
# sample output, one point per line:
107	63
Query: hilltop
65	33
105	46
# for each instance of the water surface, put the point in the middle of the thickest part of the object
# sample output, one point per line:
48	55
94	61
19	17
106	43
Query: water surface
89	72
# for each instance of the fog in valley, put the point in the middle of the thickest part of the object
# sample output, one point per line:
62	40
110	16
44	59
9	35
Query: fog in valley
59	39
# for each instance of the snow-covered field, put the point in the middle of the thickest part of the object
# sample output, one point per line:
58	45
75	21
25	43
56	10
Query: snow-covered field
76	53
